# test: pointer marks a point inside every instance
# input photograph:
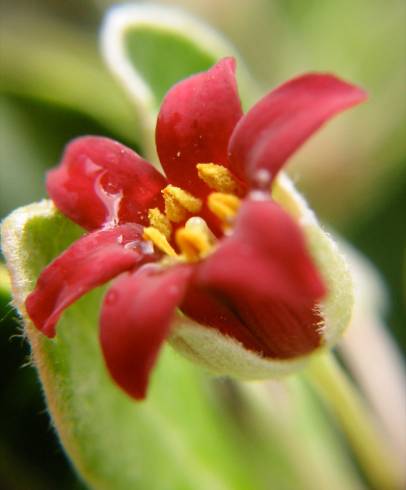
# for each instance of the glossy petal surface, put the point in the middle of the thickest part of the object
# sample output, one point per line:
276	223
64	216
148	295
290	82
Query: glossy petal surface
89	262
266	277
135	320
100	181
195	123
284	119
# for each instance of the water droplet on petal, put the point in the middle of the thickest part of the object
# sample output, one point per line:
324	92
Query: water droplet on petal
131	245
259	195
110	193
146	247
262	179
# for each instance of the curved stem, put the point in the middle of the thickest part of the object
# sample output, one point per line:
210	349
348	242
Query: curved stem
346	403
297	427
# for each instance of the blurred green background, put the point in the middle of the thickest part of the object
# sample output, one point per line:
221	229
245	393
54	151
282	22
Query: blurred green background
54	86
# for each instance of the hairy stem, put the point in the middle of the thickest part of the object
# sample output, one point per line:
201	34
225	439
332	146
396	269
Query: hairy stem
356	420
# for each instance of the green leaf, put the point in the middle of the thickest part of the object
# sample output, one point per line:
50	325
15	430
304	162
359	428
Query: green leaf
146	48
179	438
150	48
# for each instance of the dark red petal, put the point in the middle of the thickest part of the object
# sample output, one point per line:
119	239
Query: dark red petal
135	320
265	275
211	309
195	123
100	181
91	261
284	119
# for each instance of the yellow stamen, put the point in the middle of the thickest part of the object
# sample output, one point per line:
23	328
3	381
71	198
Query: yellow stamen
193	243
160	240
218	178
179	203
159	221
224	206
199	224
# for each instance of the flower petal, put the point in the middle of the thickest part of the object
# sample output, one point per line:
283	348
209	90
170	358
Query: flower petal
283	120
135	320
91	261
195	123
100	181
210	309
265	275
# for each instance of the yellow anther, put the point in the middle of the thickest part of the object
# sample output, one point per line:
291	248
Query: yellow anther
218	178
159	240
158	220
193	243
224	206
179	203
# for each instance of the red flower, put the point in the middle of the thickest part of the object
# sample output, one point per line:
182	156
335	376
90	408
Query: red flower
242	267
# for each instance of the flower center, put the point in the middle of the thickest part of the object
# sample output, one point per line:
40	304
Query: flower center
194	240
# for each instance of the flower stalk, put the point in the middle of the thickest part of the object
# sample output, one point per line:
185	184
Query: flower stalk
349	409
290	413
